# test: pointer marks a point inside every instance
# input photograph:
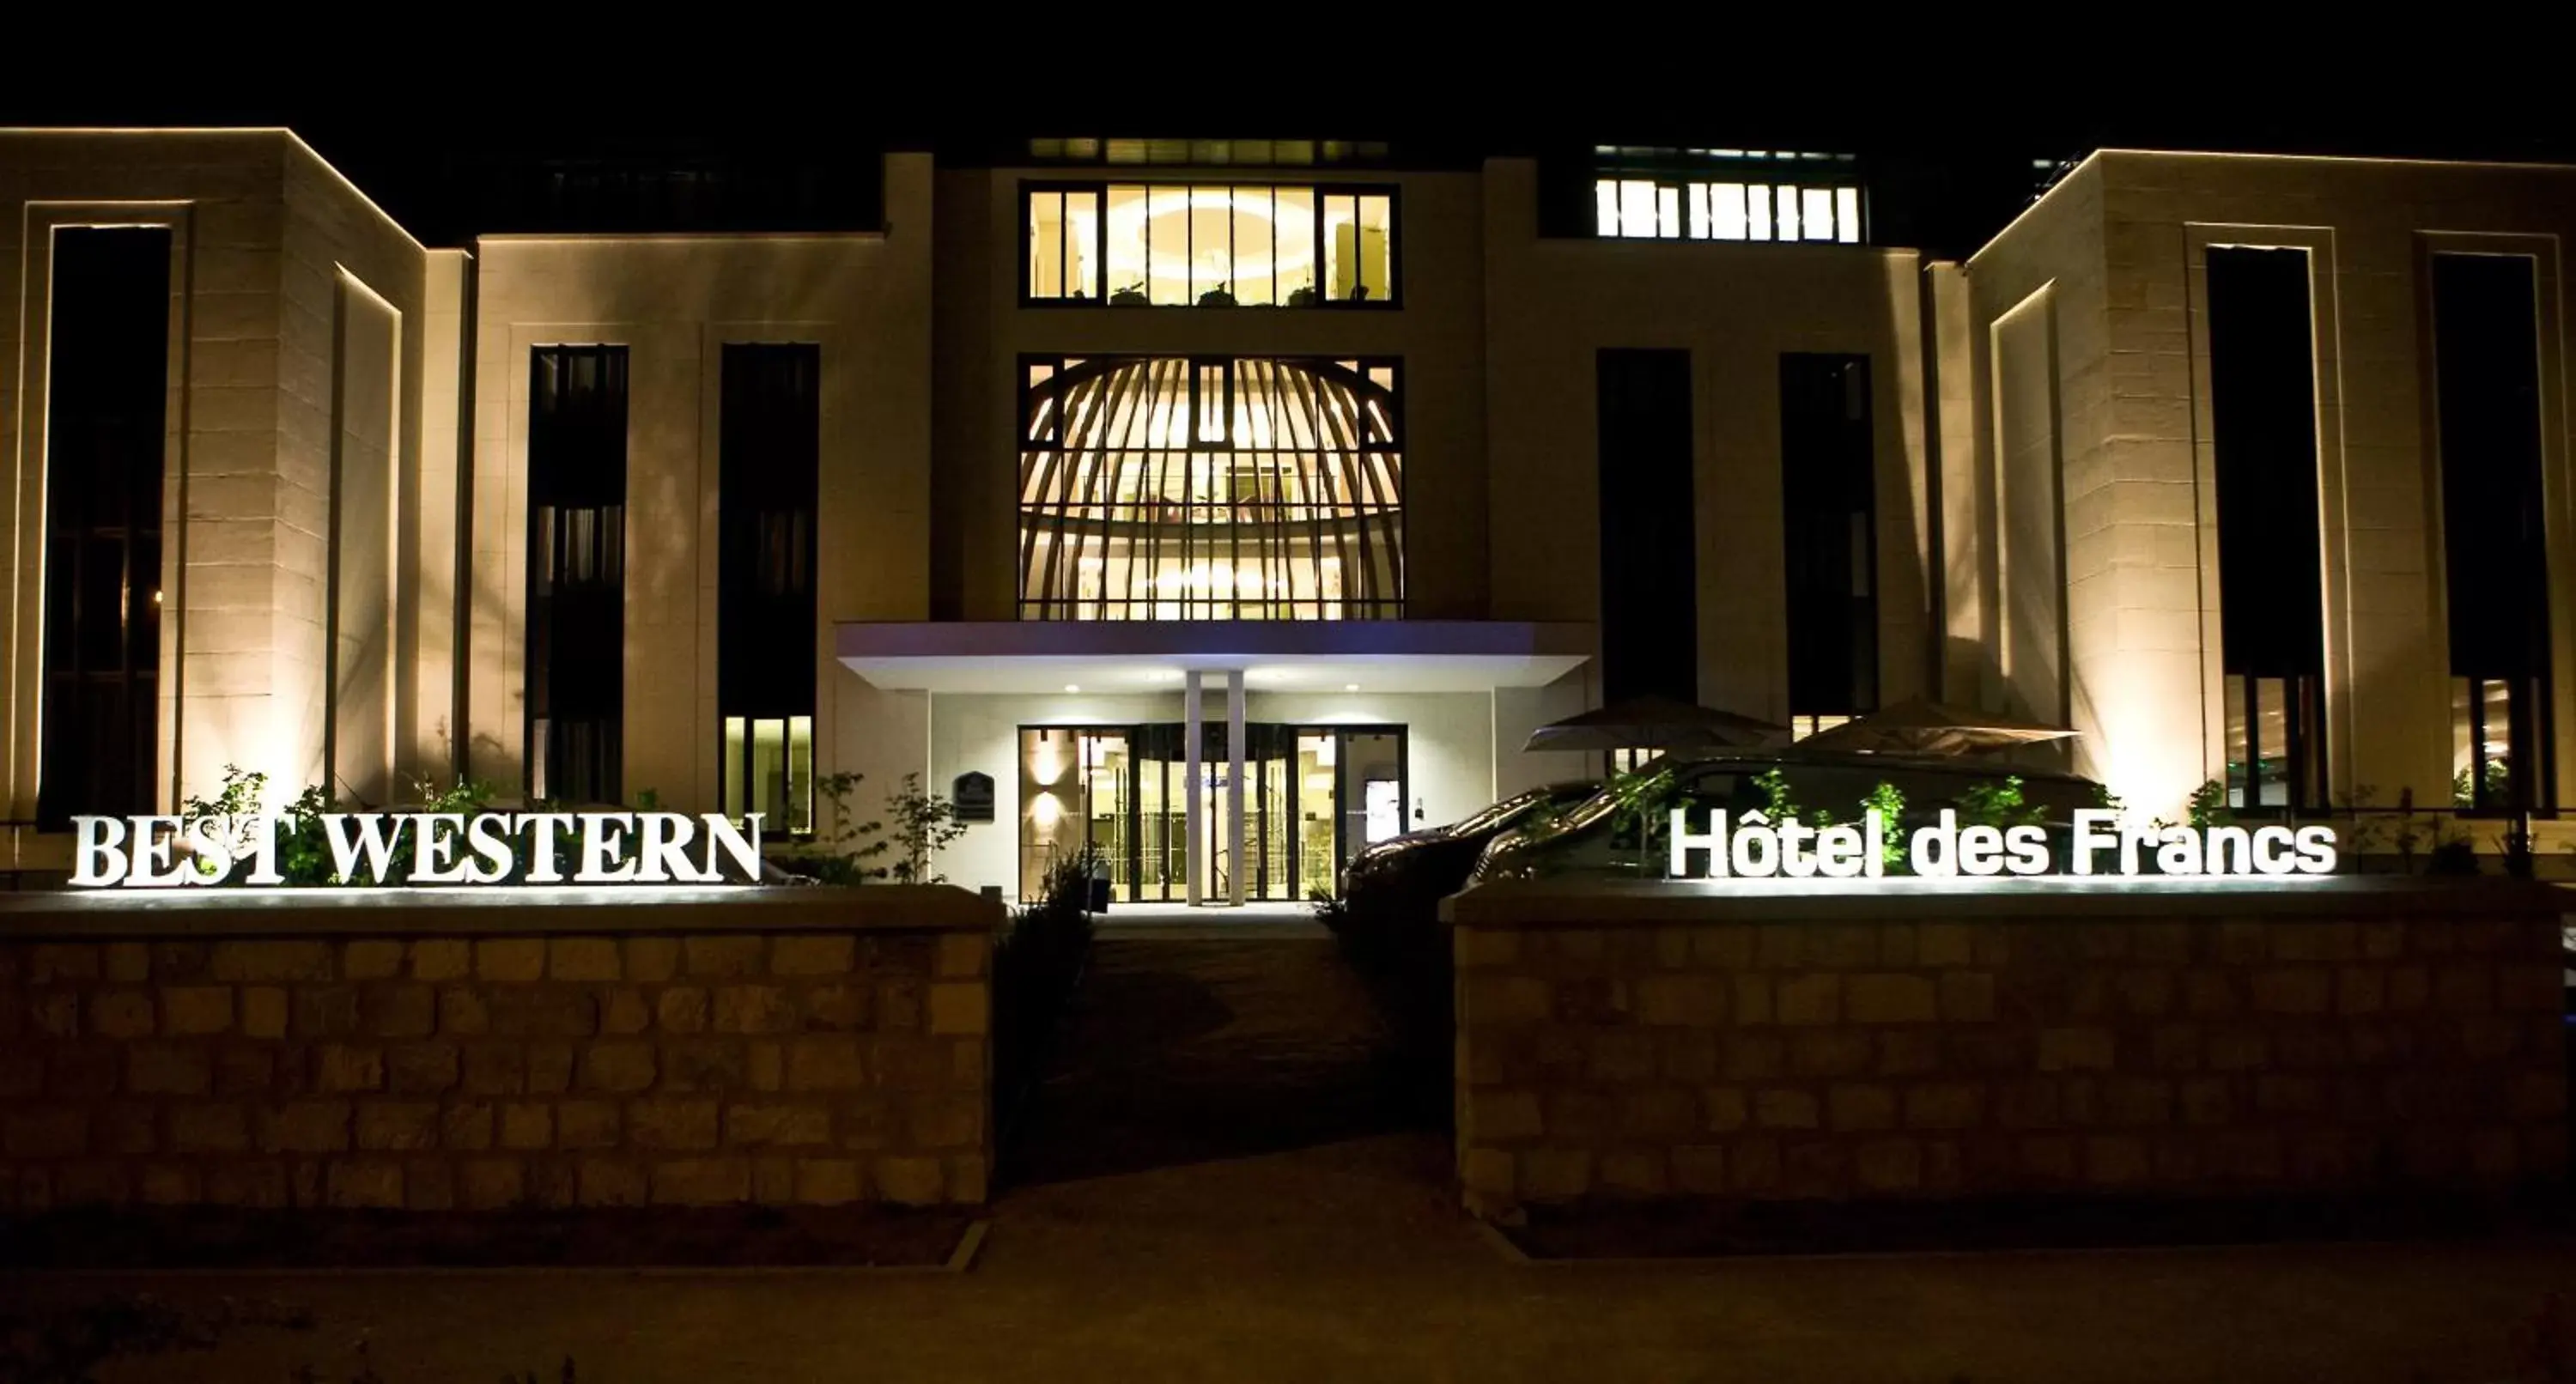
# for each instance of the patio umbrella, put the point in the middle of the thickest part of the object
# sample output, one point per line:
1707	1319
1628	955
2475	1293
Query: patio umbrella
1654	723
1920	726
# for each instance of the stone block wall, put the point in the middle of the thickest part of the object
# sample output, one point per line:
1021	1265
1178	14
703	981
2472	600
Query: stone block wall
720	1059
1904	1045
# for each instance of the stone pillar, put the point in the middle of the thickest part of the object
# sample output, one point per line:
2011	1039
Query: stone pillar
1235	866
1193	809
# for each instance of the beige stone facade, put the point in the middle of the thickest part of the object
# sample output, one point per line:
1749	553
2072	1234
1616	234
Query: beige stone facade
2040	438
2088	316
830	1051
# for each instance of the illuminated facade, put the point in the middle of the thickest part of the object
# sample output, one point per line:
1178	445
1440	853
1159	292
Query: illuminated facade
1231	505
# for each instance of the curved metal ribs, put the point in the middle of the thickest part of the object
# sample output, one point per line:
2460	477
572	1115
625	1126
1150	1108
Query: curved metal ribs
1171	488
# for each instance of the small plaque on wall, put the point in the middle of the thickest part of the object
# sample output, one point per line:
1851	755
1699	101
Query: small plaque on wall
970	796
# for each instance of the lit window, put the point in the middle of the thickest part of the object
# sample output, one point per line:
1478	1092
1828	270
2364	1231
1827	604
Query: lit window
1629	207
1182	245
769	770
1167	488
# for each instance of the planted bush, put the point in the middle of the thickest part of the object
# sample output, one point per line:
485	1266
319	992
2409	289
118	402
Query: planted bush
1036	962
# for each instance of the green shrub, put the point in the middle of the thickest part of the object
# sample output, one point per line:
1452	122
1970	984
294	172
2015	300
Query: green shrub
1037	961
1999	804
1888	801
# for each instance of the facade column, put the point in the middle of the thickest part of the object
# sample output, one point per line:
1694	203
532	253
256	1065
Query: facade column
1236	866
1193	804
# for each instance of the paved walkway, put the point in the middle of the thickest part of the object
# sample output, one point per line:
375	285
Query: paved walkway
1246	1207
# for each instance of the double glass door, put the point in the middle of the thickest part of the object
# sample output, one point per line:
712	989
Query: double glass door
1313	796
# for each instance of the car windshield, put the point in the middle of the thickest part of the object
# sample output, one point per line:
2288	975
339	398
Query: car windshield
1498	814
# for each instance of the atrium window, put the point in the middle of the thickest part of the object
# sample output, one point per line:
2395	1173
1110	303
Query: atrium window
1211	488
1726	194
1180	245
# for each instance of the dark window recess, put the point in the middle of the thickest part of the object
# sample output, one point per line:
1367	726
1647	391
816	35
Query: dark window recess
2486	356
576	673
1829	510
108	394
1649	555
770	438
2263	407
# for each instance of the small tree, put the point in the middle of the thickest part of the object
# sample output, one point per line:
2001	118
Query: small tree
1642	795
841	851
925	824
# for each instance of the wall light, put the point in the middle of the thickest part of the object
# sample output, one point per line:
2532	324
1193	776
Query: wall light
1350	687
1073	687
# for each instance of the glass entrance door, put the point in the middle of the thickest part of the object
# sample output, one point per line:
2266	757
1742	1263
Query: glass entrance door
1313	797
1076	789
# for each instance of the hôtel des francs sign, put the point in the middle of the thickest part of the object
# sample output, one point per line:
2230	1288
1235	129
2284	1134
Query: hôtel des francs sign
421	848
1752	846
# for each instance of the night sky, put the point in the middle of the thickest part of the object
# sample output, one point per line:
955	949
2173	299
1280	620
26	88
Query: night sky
1952	143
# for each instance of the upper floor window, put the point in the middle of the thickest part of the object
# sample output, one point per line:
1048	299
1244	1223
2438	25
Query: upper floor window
1211	488
1726	194
1177	245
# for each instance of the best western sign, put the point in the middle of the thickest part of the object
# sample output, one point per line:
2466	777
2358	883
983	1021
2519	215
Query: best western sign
444	848
1752	846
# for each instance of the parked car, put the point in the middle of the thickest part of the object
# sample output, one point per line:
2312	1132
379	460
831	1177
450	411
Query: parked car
1594	838
1418	869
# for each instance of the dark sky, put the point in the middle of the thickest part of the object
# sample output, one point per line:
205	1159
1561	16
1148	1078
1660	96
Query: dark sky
1951	140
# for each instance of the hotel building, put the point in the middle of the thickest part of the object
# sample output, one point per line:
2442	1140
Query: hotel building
1230	504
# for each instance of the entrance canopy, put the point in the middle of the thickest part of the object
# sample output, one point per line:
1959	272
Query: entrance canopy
1154	655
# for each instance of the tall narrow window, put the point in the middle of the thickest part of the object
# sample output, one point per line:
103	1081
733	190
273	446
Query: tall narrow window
107	387
1829	509
2263	410
770	434
2496	561
576	672
1649	556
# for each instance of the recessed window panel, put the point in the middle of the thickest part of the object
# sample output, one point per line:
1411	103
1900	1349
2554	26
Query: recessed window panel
576	612
1830	511
769	467
2264	442
108	391
2487	383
